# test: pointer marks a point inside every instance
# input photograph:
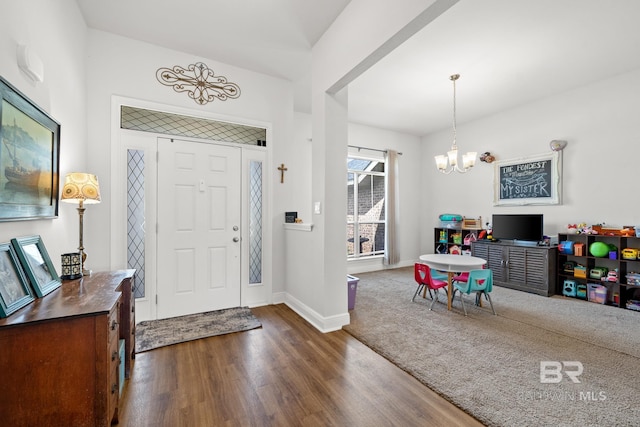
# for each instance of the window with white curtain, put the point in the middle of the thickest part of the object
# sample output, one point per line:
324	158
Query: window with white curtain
366	220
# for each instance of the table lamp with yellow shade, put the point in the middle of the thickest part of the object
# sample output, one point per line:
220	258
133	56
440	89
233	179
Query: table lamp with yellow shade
83	189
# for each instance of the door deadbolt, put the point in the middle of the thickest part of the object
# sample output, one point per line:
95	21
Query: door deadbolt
235	228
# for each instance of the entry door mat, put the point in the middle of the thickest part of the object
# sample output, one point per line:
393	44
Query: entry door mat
152	334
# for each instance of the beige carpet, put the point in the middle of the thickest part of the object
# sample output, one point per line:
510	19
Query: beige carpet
153	334
490	365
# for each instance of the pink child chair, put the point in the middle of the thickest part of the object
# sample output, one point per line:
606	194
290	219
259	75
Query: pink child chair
422	275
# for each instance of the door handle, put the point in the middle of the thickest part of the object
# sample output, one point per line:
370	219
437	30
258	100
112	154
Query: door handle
236	239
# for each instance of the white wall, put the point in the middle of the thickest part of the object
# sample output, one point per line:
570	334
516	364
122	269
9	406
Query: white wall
121	66
364	32
299	272
56	33
298	175
600	123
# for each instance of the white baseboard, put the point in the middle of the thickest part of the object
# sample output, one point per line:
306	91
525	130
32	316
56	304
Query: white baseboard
279	297
321	323
364	266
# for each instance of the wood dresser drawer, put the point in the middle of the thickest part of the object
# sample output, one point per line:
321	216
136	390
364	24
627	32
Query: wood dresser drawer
128	319
61	364
114	361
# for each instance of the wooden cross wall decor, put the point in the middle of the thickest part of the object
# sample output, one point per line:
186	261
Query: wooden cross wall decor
282	169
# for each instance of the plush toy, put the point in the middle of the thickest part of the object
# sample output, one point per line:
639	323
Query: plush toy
581	228
588	230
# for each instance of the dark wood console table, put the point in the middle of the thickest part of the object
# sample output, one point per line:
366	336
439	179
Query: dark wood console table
525	268
59	355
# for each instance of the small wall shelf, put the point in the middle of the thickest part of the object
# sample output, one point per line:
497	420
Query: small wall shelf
298	227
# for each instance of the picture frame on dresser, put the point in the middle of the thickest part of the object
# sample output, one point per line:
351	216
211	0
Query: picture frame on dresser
37	264
15	292
29	158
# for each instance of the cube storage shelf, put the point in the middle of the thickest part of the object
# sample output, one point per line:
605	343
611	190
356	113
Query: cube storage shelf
445	238
577	274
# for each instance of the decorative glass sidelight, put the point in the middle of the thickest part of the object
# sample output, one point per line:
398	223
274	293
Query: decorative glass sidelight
255	222
136	218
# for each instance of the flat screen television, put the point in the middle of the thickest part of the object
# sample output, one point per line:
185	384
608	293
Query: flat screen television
521	227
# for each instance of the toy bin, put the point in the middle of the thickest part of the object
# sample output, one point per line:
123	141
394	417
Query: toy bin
352	286
569	288
568	266
633	305
456	225
597	293
633	279
581	291
598	273
629	253
580	271
566	247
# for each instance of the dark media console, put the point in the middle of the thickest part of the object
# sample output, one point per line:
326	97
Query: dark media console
522	267
528	243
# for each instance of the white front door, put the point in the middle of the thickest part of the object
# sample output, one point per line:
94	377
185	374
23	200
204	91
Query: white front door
199	190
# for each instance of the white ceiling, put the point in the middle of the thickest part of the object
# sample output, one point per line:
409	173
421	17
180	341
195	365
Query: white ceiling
508	52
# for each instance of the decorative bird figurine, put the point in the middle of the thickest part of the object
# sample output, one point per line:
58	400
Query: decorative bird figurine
487	157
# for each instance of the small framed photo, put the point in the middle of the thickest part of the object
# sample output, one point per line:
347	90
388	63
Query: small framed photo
37	265
14	288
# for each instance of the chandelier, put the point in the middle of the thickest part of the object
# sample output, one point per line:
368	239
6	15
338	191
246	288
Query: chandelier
469	159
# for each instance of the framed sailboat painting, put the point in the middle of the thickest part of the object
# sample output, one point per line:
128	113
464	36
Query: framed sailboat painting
29	158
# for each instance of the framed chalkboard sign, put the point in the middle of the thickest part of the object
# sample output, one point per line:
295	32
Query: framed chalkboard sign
535	180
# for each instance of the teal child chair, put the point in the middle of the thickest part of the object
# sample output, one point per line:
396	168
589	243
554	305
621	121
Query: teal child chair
479	282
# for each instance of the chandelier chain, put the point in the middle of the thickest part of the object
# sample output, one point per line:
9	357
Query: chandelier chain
453	79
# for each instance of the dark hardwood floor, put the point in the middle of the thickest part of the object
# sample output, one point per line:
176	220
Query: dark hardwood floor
284	374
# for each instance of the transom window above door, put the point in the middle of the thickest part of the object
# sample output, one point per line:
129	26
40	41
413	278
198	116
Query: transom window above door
145	120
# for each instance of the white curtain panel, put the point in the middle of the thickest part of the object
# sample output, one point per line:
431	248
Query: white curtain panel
391	255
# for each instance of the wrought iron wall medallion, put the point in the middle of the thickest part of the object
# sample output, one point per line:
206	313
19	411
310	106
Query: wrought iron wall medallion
199	81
